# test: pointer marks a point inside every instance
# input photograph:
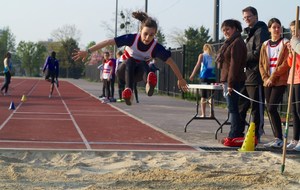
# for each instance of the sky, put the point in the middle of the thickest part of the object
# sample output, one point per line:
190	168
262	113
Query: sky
35	20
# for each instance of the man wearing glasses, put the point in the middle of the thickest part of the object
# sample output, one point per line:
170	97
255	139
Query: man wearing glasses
257	33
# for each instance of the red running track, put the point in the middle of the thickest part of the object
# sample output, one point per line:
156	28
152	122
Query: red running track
72	119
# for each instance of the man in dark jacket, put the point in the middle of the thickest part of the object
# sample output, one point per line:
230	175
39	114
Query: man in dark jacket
257	32
51	70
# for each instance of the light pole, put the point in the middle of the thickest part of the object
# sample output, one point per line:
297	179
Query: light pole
216	20
116	26
146	6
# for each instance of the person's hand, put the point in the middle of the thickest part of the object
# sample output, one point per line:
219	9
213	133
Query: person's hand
182	85
229	90
79	54
269	83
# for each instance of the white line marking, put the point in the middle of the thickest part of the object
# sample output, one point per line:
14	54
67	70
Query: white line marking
74	122
42	113
40	118
10	116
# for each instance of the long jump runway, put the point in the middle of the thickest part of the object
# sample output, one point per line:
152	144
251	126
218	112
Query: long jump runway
72	120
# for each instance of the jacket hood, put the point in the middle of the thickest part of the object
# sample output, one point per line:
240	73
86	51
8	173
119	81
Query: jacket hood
259	24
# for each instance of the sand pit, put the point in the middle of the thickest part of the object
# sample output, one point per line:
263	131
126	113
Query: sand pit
146	170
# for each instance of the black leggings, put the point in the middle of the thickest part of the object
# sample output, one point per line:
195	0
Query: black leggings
274	96
296	111
132	72
6	82
106	86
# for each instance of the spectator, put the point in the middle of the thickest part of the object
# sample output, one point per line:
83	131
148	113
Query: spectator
295	143
231	60
207	74
274	68
7	73
257	32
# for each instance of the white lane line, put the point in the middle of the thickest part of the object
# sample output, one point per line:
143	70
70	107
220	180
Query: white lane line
98	143
75	123
40	118
10	116
42	113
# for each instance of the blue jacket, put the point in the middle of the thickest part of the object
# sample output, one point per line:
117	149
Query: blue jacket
51	64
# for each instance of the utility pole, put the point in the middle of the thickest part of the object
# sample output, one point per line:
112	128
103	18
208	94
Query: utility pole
146	6
116	27
216	21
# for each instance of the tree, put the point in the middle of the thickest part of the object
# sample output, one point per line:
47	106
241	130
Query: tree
31	56
68	35
66	32
177	38
161	37
7	43
68	67
196	38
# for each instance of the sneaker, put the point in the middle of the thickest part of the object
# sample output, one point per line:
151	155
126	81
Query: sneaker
105	101
111	99
151	83
127	96
235	142
232	142
102	98
297	147
277	143
120	100
292	144
50	95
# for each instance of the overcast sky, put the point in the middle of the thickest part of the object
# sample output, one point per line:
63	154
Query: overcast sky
34	20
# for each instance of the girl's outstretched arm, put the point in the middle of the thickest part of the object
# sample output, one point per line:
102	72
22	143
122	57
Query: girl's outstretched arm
181	82
83	54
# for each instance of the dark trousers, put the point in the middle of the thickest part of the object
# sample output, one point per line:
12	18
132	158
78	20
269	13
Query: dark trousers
6	82
254	92
112	86
132	72
274	96
106	85
233	108
296	111
121	87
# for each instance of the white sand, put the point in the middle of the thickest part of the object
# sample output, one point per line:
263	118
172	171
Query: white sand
146	170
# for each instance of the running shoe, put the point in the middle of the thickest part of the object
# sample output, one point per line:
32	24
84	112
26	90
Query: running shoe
277	143
292	144
234	142
297	148
105	101
151	83
111	99
120	100
127	96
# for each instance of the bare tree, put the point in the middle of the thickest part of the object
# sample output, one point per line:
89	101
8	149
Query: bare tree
66	32
126	24
177	37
